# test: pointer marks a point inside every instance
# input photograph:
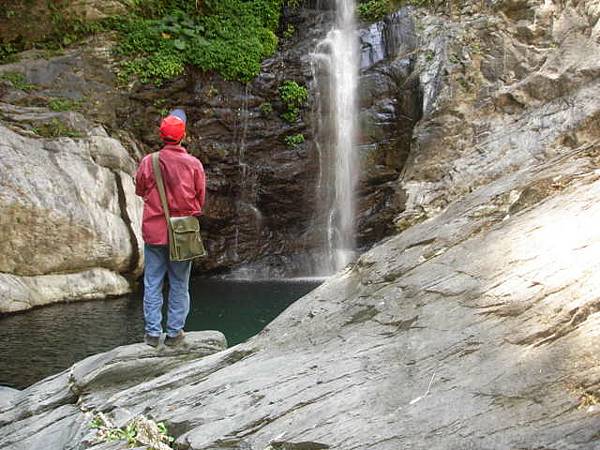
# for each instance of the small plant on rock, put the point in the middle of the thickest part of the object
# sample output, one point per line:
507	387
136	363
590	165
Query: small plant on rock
138	431
55	128
373	10
294	140
293	97
17	80
64	104
266	108
289	31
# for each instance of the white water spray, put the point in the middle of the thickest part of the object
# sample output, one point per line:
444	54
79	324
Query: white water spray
335	70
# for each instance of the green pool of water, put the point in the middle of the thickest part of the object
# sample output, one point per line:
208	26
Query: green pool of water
41	342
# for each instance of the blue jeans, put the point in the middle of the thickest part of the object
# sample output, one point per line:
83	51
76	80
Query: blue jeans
157	265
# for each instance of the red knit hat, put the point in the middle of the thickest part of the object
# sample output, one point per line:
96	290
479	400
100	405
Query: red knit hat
172	127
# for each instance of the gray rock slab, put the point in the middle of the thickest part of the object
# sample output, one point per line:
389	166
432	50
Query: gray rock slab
57	412
7	394
101	375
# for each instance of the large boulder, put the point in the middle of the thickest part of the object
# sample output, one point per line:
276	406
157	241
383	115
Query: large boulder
70	219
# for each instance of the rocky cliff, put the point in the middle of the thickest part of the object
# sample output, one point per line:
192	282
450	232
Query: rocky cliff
262	208
476	327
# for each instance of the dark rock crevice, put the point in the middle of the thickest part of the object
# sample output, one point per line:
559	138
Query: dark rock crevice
133	269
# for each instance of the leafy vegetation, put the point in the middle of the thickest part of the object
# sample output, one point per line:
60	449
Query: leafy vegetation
290	30
293	97
17	80
294	140
230	37
55	128
374	10
8	53
157	39
107	432
266	108
64	104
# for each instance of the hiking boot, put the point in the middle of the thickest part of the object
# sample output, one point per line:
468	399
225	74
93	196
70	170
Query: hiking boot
152	341
174	340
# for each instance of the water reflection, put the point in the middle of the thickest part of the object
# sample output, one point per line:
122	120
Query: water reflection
44	341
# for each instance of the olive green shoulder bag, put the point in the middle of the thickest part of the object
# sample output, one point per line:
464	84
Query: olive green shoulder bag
185	242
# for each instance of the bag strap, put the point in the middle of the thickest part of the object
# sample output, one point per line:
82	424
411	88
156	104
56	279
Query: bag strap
161	190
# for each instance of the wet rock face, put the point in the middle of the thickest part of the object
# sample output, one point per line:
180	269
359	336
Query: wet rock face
262	193
390	106
261	204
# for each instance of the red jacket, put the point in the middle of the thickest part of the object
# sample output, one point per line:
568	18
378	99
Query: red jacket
183	176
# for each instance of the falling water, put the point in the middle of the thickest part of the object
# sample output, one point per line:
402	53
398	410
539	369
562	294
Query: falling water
335	70
247	212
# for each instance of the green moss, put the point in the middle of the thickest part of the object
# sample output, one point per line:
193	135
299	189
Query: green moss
230	37
294	140
293	97
8	53
55	128
266	109
17	80
64	104
290	30
374	10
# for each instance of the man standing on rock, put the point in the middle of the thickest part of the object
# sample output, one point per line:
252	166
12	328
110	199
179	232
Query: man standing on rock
184	181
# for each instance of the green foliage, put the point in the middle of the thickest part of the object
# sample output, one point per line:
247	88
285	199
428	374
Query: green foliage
232	37
17	80
266	108
293	97
373	10
64	104
96	422
159	38
289	31
158	69
55	128
294	140
106	432
162	428
151	9
8	53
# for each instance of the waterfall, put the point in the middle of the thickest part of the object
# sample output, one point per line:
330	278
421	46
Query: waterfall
249	218
335	65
